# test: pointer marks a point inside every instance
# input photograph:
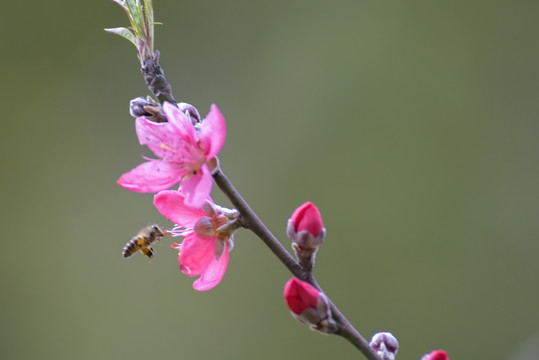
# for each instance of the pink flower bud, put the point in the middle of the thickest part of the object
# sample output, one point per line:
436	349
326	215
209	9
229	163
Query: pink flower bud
309	306
307	232
385	345
308	218
300	295
436	355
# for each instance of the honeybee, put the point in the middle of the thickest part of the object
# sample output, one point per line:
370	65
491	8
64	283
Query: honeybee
143	241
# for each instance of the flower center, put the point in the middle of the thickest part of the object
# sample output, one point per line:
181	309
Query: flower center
197	159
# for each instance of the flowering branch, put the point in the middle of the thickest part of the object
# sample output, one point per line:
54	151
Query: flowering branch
347	330
253	223
156	175
186	148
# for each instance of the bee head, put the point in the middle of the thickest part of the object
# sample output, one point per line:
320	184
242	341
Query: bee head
156	230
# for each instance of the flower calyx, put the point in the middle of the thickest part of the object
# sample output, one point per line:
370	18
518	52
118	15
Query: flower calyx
219	223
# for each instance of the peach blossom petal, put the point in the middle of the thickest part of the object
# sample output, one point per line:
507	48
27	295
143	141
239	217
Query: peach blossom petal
213	273
151	176
154	134
180	122
171	204
212	132
196	253
197	187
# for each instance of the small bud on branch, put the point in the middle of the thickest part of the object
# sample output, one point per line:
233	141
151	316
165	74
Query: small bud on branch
309	306
385	345
435	355
307	232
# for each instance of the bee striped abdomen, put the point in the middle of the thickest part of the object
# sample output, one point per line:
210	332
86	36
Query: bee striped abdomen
130	248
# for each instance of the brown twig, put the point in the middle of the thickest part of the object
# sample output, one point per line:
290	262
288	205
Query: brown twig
155	79
253	223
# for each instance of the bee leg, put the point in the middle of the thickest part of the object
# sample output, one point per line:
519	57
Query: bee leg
147	251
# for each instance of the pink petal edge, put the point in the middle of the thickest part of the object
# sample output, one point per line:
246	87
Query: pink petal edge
212	132
171	204
197	188
195	254
151	176
181	122
213	274
154	135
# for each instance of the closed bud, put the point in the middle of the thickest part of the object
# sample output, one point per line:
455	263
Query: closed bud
309	306
147	107
306	230
385	345
136	107
307	218
190	111
435	355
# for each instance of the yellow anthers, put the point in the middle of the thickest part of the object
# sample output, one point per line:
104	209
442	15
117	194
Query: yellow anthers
163	146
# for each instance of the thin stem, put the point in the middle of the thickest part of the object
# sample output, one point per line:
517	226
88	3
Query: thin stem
155	79
347	330
253	222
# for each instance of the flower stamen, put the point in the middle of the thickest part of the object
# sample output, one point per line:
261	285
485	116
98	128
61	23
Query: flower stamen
163	146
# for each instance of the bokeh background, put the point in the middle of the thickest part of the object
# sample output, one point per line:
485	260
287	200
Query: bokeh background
412	125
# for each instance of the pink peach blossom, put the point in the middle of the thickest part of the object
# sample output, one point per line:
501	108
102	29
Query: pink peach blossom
204	250
183	154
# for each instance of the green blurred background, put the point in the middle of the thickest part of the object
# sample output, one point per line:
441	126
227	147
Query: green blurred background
412	125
